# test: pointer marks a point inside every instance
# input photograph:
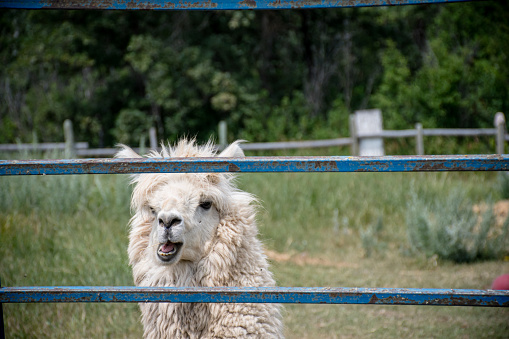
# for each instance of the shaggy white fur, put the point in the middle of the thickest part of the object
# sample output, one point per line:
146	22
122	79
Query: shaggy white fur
198	230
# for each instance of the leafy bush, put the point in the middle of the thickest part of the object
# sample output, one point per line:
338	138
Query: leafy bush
450	229
130	125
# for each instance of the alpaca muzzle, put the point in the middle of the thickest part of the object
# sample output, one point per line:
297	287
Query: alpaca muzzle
168	221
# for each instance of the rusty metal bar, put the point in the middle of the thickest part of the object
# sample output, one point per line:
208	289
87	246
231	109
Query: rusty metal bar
285	295
206	4
431	163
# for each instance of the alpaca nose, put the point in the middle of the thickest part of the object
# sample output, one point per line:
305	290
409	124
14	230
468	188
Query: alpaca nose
168	220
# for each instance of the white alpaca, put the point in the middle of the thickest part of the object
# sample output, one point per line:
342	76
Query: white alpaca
198	230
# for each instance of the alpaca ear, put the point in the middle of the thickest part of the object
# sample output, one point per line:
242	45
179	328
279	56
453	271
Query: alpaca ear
233	151
126	152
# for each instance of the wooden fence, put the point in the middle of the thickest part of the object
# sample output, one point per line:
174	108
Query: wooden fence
81	149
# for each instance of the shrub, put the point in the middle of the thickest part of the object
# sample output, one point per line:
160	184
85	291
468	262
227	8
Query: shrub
450	229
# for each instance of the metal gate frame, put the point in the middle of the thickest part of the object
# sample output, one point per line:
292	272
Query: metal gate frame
304	295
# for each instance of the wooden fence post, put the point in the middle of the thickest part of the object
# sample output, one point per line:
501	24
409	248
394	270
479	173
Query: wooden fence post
70	147
368	130
500	126
143	141
153	138
223	140
354	146
419	139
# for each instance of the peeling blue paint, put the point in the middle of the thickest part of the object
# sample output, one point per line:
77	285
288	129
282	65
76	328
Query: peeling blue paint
206	5
432	163
289	295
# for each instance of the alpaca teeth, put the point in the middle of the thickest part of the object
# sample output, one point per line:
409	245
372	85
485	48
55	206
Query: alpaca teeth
169	253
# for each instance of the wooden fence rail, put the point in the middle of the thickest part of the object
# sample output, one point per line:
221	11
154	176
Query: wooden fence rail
41	147
82	150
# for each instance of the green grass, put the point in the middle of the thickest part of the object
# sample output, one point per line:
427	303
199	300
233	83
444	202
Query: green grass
71	230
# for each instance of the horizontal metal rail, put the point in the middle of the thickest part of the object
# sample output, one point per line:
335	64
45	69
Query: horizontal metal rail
285	295
205	4
432	163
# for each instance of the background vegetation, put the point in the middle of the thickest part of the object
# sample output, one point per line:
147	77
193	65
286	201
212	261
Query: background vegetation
332	229
272	75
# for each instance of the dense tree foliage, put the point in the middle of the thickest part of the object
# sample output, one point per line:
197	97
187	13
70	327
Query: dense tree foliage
272	75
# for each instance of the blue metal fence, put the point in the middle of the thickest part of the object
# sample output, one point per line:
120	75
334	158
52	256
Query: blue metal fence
376	296
287	295
263	295
430	163
206	4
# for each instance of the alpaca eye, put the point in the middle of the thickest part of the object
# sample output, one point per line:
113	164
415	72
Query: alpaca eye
152	210
206	205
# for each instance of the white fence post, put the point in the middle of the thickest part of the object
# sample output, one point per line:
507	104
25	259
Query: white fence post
500	126
70	147
368	127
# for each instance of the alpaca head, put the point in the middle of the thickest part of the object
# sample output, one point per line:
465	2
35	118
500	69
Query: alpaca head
176	214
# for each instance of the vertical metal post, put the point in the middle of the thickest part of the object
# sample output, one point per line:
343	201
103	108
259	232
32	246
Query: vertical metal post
419	139
153	138
223	140
500	126
70	147
354	146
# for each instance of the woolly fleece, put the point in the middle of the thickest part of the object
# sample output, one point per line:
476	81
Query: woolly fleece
220	248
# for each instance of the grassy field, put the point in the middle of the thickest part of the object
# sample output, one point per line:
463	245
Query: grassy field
319	230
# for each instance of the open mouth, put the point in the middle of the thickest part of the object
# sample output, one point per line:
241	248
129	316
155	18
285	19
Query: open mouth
168	250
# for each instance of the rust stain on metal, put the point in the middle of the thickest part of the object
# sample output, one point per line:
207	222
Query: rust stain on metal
148	5
432	166
374	299
233	168
395	300
318	165
248	3
130	4
73	4
196	5
315	3
459	301
373	166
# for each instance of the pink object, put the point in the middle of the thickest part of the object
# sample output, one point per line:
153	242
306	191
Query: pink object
501	283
